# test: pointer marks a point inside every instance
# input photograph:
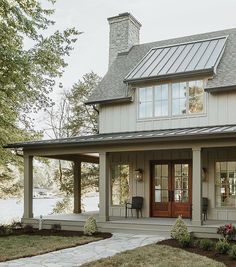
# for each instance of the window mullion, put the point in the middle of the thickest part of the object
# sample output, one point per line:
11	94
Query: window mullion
187	98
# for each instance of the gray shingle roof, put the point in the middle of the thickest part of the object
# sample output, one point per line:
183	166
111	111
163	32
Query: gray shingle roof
112	85
113	138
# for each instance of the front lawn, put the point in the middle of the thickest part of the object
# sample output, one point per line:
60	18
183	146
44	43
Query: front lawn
156	256
19	246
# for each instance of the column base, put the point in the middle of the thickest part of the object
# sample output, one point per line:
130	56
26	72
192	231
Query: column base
75	211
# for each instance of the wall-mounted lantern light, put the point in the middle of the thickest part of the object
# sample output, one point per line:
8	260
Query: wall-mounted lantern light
138	175
204	174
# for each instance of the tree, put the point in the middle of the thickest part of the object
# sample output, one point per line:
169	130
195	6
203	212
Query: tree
83	119
71	117
27	75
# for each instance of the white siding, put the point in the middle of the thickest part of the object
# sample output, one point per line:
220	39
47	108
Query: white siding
220	110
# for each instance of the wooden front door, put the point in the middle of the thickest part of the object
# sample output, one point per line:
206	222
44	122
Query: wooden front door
171	188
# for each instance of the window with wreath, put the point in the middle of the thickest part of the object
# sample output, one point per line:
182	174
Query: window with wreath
120	180
225	184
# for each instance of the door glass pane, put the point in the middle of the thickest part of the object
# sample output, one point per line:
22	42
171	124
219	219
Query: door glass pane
157	195
164	196
181	172
161	182
164	182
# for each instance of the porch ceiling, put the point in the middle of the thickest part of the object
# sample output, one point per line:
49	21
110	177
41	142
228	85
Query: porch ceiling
193	133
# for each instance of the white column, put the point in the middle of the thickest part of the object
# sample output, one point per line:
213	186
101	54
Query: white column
197	187
28	187
103	187
77	187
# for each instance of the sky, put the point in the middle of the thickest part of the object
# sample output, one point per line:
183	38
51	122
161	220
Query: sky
160	19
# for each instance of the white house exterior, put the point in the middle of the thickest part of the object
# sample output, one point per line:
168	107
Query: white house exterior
166	108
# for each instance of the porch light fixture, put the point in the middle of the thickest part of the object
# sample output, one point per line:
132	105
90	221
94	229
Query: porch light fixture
204	174
139	175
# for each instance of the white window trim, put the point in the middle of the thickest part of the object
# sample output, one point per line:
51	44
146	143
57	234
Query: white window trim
170	116
215	205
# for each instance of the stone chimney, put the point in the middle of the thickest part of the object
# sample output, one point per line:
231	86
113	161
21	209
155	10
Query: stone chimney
124	33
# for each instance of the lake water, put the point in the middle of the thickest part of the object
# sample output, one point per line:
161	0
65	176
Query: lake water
12	209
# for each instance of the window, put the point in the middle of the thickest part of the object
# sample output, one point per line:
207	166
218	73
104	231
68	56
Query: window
176	99
145	102
120	184
161	100
179	98
196	94
225	184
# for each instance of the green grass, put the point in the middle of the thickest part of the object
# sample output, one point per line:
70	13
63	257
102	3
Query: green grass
156	256
13	247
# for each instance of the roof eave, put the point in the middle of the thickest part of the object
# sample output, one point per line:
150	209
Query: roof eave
108	101
189	74
220	89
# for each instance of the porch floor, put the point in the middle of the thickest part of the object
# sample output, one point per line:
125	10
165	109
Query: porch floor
130	220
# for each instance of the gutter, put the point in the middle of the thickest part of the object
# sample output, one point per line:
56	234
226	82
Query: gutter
178	75
219	89
112	100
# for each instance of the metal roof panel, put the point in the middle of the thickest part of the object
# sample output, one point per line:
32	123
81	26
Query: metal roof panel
193	133
179	58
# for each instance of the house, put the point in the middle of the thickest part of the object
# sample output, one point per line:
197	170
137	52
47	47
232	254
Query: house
167	132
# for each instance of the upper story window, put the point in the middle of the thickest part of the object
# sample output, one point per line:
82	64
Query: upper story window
172	99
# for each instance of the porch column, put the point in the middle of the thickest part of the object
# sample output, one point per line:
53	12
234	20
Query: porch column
197	187
77	186
103	187
28	187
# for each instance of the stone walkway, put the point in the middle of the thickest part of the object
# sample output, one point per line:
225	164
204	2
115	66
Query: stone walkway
73	257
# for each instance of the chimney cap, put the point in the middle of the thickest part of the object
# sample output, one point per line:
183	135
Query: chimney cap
123	15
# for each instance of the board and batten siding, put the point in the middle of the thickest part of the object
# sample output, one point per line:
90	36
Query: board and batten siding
220	109
142	160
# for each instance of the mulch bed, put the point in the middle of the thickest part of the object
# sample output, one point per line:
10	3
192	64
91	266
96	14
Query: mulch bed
49	232
210	254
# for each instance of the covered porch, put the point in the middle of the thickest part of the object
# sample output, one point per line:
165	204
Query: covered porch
201	147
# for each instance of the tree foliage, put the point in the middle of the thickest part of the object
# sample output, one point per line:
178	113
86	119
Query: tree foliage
27	75
83	119
71	117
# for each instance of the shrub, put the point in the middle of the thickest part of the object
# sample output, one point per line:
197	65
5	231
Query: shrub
206	244
90	226
185	240
179	229
28	228
222	246
5	230
228	231
232	252
16	225
56	227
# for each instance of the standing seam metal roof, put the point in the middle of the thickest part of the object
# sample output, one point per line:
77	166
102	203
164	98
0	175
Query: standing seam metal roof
112	85
179	58
170	134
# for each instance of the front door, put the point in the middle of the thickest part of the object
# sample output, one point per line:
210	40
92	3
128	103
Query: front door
171	188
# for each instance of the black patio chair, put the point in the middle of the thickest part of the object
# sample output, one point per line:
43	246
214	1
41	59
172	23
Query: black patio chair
204	207
136	204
